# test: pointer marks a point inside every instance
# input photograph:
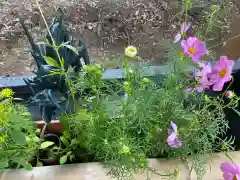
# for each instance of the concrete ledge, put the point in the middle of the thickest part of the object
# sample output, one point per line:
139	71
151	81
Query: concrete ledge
95	171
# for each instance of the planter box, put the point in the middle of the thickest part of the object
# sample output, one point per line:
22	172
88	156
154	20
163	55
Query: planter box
19	86
95	171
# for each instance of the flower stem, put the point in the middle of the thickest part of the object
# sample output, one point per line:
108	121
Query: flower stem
237	36
164	175
210	20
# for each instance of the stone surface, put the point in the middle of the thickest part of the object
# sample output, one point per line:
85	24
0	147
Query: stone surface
95	171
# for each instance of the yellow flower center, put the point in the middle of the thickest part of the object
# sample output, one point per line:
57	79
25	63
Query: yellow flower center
234	178
132	50
223	72
192	50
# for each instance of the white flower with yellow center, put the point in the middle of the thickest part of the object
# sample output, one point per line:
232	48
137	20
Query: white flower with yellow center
131	51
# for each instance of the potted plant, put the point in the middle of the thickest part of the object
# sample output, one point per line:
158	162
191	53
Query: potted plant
48	153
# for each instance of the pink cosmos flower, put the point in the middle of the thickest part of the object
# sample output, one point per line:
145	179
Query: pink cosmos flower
194	48
221	73
173	139
230	171
201	76
183	29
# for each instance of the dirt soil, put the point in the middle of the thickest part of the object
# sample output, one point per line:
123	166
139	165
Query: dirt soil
106	27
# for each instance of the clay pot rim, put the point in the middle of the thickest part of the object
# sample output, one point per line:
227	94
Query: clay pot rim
53	127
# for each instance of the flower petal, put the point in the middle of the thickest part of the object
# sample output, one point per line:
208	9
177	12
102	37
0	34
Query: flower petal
184	27
170	131
187	27
199	89
228	176
221	73
178	142
218	86
228	167
189	90
172	137
177	38
173	126
238	176
184	44
196	58
200	47
191	41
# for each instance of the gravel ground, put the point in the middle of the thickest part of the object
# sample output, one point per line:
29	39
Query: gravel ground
106	26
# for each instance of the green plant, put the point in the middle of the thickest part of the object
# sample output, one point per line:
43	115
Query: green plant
71	145
123	123
124	131
18	140
58	64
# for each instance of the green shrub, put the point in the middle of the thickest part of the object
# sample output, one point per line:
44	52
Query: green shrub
18	140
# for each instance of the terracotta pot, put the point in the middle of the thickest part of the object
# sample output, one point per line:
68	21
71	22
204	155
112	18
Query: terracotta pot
54	127
47	156
50	162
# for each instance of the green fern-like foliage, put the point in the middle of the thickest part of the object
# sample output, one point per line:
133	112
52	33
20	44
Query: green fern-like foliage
123	123
124	131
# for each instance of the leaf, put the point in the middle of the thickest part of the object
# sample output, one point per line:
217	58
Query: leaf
65	43
69	153
3	164
74	142
72	48
62	61
92	97
44	43
71	157
63	159
22	162
64	140
52	62
38	131
46	144
56	148
25	114
54	73
18	99
27	166
39	164
36	139
64	122
236	111
18	137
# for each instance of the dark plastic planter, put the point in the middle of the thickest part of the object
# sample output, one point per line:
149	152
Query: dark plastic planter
232	116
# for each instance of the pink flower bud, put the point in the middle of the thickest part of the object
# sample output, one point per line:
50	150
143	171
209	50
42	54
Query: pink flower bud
229	94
